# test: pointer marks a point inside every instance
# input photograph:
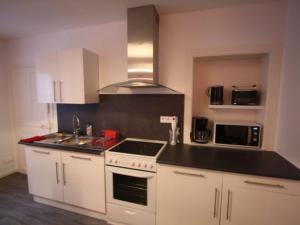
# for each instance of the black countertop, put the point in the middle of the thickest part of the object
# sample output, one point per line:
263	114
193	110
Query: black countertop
251	162
81	149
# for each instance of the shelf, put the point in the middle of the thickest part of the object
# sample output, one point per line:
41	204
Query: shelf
251	107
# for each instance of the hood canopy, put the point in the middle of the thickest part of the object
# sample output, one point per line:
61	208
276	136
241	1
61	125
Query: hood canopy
142	52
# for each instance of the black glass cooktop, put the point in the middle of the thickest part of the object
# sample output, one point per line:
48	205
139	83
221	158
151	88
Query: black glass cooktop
138	148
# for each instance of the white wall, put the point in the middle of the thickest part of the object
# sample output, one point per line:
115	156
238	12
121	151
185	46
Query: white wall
289	106
7	152
248	25
251	25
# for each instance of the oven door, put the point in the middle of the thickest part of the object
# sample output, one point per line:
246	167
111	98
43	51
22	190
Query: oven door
131	188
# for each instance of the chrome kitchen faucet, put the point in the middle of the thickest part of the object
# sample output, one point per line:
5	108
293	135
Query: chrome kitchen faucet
76	125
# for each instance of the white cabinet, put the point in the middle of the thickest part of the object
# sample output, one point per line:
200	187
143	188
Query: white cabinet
70	76
188	196
249	200
43	171
84	180
200	197
73	178
47	75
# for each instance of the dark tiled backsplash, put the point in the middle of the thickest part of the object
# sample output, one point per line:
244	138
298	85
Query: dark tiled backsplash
136	116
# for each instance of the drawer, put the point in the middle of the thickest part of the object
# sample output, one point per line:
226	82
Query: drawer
262	183
123	215
176	172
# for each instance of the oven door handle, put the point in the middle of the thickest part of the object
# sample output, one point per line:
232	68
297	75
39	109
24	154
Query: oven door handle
132	173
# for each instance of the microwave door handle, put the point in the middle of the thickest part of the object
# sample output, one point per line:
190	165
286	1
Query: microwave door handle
249	136
131	173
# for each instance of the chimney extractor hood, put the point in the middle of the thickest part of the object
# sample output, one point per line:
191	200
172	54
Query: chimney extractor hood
142	52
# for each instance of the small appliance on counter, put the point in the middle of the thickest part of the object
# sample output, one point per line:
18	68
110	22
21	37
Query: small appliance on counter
245	95
200	133
247	134
174	132
216	94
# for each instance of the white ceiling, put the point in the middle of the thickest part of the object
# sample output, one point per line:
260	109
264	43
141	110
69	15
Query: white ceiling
19	18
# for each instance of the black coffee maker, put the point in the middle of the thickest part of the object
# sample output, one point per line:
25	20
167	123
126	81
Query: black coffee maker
200	133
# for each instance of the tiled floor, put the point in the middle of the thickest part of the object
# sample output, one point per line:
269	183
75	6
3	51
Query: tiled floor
18	208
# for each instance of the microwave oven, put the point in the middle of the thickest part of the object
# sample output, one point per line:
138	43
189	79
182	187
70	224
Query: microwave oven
237	134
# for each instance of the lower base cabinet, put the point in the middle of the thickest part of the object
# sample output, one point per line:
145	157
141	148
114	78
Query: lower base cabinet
249	200
73	178
201	197
84	181
188	196
43	169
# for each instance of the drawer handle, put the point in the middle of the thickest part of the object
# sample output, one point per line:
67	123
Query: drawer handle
264	184
130	212
41	152
189	174
78	157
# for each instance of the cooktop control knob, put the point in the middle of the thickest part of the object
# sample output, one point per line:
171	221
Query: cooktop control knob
110	160
145	165
116	161
151	166
139	165
133	164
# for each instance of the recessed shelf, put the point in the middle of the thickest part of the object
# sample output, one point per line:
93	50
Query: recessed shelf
253	107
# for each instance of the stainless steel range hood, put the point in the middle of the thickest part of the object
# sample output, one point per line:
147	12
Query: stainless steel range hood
142	50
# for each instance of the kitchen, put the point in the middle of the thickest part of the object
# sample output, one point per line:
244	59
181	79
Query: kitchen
258	37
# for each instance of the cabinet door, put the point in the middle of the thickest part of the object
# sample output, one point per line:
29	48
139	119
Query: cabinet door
188	196
47	79
43	172
71	81
84	180
252	200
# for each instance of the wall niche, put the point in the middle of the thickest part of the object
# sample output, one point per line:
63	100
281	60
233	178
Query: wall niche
229	70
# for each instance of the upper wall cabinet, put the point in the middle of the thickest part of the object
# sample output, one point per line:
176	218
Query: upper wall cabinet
70	77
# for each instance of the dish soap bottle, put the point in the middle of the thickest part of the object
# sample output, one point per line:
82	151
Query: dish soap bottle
89	129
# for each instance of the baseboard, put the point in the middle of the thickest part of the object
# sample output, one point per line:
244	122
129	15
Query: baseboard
71	208
22	170
7	173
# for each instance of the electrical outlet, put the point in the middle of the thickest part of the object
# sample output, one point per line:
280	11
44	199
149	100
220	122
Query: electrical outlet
167	119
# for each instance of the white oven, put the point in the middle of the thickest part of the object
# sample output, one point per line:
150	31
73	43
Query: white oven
131	188
131	181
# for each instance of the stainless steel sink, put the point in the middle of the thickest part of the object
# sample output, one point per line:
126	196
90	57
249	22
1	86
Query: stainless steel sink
70	140
77	141
56	138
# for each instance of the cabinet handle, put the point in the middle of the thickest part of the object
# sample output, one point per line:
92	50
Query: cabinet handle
60	91
229	199
189	174
41	152
130	212
64	173
83	158
54	91
216	202
57	176
264	184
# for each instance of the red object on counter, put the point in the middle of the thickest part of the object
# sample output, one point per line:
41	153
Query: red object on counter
104	142
113	134
33	139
